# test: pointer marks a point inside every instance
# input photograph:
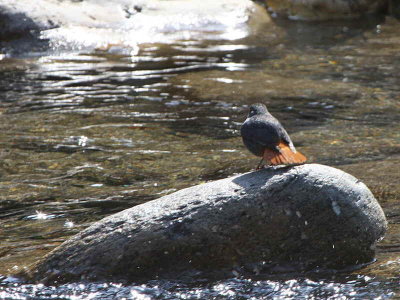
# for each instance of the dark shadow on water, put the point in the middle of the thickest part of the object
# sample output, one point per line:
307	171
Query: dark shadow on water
326	34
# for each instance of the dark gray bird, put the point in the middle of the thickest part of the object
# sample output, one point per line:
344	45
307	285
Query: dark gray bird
264	136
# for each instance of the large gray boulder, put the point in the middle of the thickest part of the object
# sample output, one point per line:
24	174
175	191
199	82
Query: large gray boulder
309	216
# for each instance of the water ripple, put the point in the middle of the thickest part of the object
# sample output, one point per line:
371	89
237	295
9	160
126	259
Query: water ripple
236	288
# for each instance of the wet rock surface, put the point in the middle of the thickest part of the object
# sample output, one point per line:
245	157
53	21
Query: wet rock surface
310	215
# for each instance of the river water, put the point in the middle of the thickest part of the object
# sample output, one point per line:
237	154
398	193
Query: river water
84	134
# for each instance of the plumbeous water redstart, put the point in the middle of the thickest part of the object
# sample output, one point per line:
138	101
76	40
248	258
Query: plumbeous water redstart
264	136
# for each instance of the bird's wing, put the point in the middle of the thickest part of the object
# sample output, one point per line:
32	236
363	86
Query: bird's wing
284	136
261	132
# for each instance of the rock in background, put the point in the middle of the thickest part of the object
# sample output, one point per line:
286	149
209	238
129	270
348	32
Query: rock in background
308	216
324	9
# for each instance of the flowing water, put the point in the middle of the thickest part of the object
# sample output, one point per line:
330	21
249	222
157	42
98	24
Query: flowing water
84	134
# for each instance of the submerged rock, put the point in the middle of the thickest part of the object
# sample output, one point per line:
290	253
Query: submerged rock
324	9
309	216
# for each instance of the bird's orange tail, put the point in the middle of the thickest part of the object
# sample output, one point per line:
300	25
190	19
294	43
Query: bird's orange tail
285	157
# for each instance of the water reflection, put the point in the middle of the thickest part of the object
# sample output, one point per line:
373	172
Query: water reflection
83	80
361	287
40	216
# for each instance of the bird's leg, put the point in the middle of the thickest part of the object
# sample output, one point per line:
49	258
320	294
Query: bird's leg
260	164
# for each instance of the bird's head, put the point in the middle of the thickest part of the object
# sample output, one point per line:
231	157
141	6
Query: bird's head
257	109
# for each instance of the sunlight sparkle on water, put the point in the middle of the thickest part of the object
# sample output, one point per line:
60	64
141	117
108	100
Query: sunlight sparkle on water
69	224
82	141
40	216
234	288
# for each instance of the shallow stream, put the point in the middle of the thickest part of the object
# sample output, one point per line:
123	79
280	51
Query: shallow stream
85	134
